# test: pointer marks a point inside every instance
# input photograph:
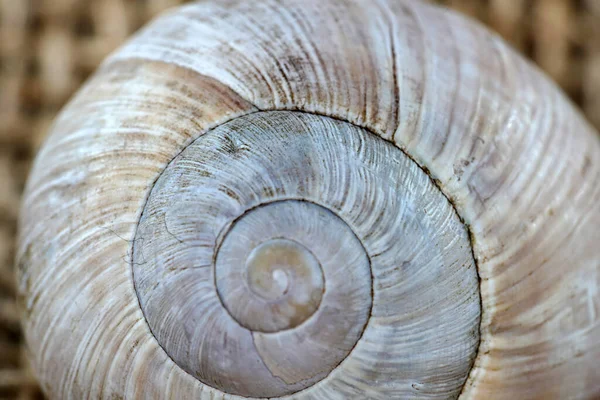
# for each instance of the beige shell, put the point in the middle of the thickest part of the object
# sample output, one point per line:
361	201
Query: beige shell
314	199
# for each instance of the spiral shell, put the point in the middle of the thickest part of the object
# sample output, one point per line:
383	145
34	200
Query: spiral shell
322	252
314	200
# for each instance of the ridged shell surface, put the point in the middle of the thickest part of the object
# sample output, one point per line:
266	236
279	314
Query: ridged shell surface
391	302
318	199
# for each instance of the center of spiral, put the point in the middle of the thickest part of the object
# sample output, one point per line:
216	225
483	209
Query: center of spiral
267	276
278	265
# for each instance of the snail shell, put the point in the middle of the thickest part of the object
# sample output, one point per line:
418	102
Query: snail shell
314	200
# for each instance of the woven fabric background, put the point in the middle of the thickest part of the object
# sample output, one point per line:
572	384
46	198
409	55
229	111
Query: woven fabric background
49	47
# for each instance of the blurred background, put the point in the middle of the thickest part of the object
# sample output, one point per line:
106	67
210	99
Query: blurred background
49	47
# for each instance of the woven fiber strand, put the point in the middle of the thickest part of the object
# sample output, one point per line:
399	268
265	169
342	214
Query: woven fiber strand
49	47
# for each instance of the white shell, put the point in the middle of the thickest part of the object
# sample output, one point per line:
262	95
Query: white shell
517	163
400	304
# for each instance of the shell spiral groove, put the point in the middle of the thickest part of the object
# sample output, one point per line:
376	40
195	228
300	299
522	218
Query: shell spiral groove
314	200
338	246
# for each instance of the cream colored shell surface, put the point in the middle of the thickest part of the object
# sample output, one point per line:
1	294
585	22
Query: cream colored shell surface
396	300
516	166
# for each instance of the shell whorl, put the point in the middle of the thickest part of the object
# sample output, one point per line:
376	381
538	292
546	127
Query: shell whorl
387	270
386	167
